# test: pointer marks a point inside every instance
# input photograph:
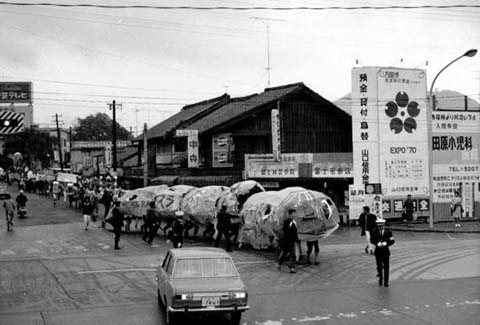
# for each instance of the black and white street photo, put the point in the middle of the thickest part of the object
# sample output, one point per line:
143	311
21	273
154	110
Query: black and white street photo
267	162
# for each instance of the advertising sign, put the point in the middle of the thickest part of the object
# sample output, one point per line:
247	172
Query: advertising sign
366	167
223	148
456	158
15	92
403	132
276	134
356	197
193	157
11	122
258	166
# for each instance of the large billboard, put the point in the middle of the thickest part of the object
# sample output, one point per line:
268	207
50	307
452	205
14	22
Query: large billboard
15	92
456	158
389	116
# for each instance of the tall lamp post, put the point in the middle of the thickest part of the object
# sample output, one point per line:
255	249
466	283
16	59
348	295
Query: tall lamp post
469	53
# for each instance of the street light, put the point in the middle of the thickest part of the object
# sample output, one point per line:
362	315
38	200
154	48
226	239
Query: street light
470	53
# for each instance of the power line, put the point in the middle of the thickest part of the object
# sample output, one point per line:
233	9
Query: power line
237	8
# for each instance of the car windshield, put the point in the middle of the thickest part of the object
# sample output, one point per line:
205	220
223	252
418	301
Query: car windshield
204	267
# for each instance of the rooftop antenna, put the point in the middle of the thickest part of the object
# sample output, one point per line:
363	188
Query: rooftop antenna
267	20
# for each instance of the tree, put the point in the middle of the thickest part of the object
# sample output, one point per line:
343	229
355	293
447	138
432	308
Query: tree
98	128
33	144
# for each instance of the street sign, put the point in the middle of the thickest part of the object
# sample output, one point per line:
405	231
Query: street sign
15	92
373	188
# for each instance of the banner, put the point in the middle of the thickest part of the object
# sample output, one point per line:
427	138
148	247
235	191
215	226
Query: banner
276	134
356	197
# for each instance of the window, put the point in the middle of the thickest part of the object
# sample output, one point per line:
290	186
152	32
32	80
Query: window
166	260
202	268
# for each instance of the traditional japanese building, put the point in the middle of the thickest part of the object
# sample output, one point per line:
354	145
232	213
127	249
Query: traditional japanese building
284	136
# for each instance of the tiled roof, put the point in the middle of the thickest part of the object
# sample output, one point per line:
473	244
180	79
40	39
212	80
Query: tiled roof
240	106
188	112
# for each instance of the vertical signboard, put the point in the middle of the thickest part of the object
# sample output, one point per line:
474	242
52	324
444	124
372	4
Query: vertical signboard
192	146
276	134
222	148
356	197
365	125
403	132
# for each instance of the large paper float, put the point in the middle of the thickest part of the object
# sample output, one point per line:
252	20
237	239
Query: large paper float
199	204
264	214
169	201
237	195
136	202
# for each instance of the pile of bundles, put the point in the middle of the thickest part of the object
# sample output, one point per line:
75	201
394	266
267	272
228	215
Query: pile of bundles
262	213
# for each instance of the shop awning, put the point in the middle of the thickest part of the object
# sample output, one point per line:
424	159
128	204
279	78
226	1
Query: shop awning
200	181
168	180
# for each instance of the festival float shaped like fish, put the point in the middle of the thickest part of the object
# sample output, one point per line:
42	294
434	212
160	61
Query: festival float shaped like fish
264	214
235	198
199	204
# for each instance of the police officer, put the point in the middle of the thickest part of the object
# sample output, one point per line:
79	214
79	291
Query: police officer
382	238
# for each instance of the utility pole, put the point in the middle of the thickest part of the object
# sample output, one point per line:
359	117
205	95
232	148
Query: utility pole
268	20
145	155
59	144
113	107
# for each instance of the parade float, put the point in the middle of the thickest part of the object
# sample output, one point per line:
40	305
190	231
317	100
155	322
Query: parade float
237	195
200	204
264	213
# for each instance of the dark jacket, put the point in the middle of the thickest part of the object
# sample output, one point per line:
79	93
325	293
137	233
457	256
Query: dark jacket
151	217
367	222
117	218
377	237
21	200
409	205
178	228
88	208
290	233
223	221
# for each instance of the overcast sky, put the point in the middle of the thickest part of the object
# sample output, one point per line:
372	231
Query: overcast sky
156	61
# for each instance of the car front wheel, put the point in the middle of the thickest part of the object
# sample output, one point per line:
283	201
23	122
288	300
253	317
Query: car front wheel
236	317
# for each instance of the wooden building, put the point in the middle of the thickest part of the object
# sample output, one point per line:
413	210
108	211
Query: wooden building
235	141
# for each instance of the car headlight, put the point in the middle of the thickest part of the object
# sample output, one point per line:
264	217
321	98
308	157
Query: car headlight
184	296
239	295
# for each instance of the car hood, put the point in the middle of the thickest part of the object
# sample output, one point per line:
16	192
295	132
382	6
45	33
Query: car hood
208	284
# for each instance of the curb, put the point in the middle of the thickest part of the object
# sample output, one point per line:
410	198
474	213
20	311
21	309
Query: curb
435	230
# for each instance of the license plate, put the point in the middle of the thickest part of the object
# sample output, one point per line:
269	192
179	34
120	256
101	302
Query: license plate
210	301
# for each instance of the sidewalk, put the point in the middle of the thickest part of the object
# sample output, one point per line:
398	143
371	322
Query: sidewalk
470	226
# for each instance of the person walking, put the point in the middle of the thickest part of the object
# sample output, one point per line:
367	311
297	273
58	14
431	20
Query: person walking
223	228
290	238
367	223
87	212
149	221
107	199
382	238
409	207
9	207
236	223
312	245
117	223
456	208
178	229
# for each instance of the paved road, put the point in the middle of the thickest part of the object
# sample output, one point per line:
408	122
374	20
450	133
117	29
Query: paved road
60	274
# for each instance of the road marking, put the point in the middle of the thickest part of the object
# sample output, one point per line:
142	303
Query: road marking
33	251
252	262
450	237
7	252
116	270
316	318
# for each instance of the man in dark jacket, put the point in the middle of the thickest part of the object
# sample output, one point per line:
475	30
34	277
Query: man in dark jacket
223	228
178	228
150	220
367	223
290	238
117	223
409	208
382	238
107	199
